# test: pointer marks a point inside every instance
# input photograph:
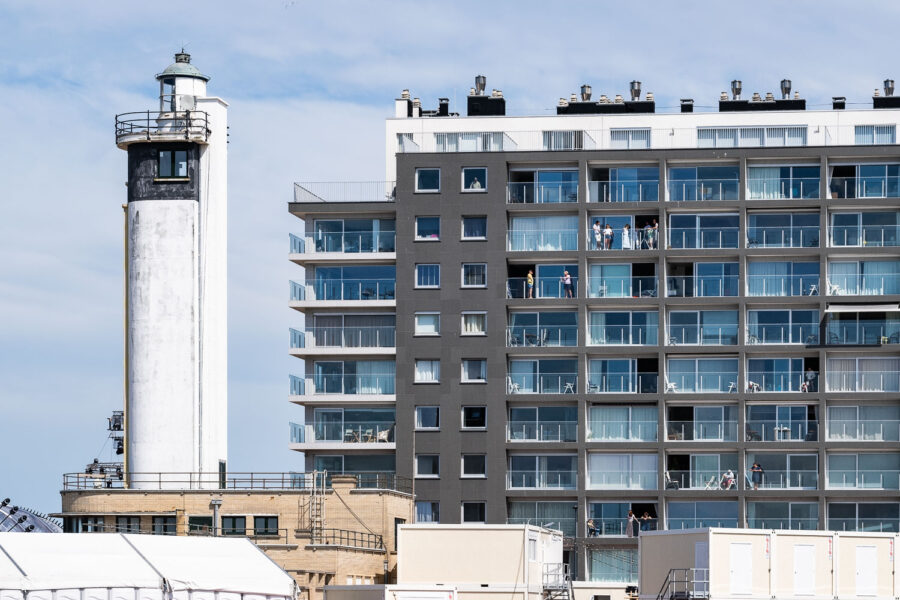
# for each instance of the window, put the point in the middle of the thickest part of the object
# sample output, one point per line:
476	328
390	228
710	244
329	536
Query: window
474	275
234	525
629	138
474	323
474	228
428	276
748	137
428	465
265	525
474	179
173	164
164	525
428	371
428	512
474	370
428	180
428	324
428	417
568	140
614	565
128	524
428	229
473	417
473	465
473	512
202	525
473	141
875	134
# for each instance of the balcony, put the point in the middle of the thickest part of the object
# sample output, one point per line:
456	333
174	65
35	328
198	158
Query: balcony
373	292
622	480
624	191
771	430
780	471
358	246
782	285
541	193
687	190
619	527
839	380
862	284
156	126
707	431
868	236
564	524
621	431
351	340
549	336
686	238
542	383
517	287
778	381
623	287
543	240
885	186
783	333
783	237
697	286
344	191
702	479
684	377
542	431
327	435
623	335
782	188
541	480
863	479
853	332
798	524
862	524
702	335
863	430
622	383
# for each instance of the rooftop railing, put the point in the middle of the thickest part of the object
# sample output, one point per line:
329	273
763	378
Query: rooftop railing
153	124
349	539
345	191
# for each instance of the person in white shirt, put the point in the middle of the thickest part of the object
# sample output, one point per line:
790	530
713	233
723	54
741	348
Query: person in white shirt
627	242
598	234
608	237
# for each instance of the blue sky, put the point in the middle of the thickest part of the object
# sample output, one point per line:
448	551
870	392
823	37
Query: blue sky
309	85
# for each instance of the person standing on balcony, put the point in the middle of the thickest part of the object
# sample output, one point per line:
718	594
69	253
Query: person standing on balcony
567	284
648	237
654	234
756	473
591	528
598	235
632	525
627	241
810	380
529	284
608	236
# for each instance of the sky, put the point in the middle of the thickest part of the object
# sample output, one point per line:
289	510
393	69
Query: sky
309	86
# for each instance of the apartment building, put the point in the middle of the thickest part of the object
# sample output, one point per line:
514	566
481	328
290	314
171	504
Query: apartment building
692	316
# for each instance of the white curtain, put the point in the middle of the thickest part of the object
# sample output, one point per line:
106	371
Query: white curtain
765	183
842	422
609	423
543	233
473	323
880	277
768	278
841	375
643	423
428	370
844	277
375	376
609	471
879	374
427	324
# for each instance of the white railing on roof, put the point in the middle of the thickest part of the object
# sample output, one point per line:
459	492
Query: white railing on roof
345	191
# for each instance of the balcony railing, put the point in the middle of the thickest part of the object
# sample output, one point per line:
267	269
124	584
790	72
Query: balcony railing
541	193
693	238
865	187
697	286
884	479
298	385
863	285
153	124
604	527
623	335
564	524
702	431
623	287
771	430
786	480
344	289
357	242
701	523
547	383
795	524
345	337
623	191
782	237
532	335
542	240
542	431
783	285
783	188
621	431
703	189
780	381
345	191
881	525
882	430
783	333
349	539
350	432
703	383
865	235
531	479
622	480
864	381
706	335
517	287
188	481
622	383
704	479
371	383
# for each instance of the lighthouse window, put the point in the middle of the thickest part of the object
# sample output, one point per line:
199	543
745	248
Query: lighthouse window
173	163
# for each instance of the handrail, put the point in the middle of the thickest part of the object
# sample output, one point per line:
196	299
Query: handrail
149	123
350	539
683	584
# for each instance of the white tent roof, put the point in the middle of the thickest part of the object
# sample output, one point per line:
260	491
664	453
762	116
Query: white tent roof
56	561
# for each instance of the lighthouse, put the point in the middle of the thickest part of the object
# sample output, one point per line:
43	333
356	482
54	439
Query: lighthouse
176	297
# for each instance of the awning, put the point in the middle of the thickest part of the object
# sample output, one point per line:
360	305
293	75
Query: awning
861	308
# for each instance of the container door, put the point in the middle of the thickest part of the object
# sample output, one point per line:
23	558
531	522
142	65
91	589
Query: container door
741	568
866	571
804	570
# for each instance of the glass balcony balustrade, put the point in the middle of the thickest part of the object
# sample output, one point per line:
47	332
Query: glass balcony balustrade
619	527
852	332
794	479
778	188
864	284
863	479
622	480
623	335
783	333
542	431
621	431
622	383
702	238
868	430
542	240
517	287
541	192
624	191
544	383
799	524
344	337
771	430
783	285
885	186
622	287
874	236
704	335
709	431
534	335
688	190
547	480
697	286
783	237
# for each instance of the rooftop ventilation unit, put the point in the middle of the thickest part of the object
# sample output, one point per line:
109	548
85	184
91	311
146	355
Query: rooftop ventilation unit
635	90
481	105
889	100
687	104
838	102
480	83
757	102
785	89
736	89
584	105
888	87
586	93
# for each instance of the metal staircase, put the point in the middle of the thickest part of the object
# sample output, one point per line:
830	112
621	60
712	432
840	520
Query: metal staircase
557	583
685	584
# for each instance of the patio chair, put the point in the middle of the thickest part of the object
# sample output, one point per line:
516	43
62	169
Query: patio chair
671	386
712	484
511	386
671	484
752	435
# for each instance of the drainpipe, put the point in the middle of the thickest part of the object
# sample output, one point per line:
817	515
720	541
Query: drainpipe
215	503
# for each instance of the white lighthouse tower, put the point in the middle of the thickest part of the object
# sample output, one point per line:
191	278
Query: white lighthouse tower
176	314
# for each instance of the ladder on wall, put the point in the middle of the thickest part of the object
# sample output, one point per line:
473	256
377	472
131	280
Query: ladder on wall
316	509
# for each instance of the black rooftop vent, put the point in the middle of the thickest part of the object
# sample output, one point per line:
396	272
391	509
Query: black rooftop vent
750	105
486	106
607	108
838	103
687	105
